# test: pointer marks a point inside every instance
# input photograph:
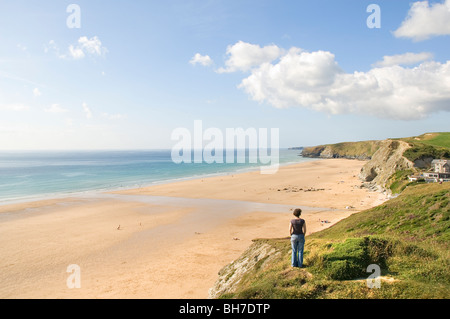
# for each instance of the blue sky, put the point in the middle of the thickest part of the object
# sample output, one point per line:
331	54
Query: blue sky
127	78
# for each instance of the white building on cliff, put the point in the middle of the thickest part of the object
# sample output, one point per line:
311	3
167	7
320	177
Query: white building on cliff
440	171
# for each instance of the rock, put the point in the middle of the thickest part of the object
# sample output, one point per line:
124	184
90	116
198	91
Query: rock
231	274
385	162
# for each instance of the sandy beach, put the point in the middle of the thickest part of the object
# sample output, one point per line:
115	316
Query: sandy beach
168	240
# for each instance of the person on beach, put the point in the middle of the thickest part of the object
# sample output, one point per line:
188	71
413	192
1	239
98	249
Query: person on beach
297	230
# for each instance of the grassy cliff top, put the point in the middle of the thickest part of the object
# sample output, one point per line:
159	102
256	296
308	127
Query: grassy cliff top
441	139
346	149
436	145
407	237
432	145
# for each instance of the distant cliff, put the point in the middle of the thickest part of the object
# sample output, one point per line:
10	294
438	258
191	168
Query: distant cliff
351	150
389	161
384	158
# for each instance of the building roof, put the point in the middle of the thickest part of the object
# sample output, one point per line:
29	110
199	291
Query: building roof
440	161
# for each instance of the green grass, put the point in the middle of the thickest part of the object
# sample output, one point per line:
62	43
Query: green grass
400	180
434	145
408	237
434	139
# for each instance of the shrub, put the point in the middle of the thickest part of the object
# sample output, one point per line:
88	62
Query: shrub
350	259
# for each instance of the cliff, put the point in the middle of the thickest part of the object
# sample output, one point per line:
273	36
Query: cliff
256	256
387	160
388	157
351	150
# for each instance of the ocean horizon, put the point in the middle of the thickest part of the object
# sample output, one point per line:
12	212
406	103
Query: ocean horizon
35	175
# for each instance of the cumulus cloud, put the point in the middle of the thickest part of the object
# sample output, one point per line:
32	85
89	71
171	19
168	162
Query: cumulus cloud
404	59
87	111
76	52
314	80
425	21
204	60
92	46
244	56
84	47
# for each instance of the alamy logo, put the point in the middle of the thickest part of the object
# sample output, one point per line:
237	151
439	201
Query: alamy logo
213	146
374	20
74	19
74	279
373	281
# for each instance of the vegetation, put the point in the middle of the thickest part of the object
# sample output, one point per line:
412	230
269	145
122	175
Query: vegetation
434	139
363	150
434	145
430	145
399	181
407	237
420	151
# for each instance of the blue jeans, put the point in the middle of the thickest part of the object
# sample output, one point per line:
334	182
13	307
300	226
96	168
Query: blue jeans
297	243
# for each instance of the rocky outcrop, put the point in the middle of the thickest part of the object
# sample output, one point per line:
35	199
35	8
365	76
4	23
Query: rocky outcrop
257	255
384	163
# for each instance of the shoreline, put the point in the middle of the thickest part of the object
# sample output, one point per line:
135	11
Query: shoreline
164	241
59	196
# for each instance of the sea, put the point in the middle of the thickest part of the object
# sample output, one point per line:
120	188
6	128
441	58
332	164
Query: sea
35	175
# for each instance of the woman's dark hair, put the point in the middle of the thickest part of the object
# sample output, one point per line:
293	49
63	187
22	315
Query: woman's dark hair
297	212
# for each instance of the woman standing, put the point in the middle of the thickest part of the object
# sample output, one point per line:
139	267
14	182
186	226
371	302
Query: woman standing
297	231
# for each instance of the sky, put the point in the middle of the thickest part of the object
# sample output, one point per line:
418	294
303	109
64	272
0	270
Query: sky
84	75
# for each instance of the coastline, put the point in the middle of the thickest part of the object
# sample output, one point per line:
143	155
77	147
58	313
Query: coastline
138	185
165	249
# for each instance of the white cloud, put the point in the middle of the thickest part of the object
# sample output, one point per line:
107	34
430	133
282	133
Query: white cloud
425	21
244	56
87	111
36	92
83	48
55	108
404	59
76	52
204	60
314	80
92	46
